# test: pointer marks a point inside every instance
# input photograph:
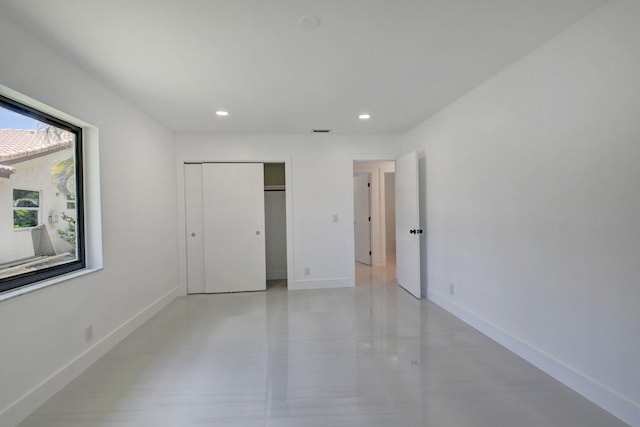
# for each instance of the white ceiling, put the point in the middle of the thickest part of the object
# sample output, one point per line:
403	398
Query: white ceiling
399	60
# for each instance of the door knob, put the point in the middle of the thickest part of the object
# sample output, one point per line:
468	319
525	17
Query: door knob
412	231
193	234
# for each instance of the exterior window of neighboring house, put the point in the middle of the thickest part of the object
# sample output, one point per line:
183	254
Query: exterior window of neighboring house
71	201
41	178
26	209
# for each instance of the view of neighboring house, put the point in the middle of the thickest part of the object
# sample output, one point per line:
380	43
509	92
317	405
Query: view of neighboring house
32	203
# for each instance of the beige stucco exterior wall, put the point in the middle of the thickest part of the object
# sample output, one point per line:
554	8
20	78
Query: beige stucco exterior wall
34	174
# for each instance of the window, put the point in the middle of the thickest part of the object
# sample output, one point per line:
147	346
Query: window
71	201
26	209
41	196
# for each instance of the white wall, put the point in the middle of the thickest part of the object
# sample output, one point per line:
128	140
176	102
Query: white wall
32	174
320	170
42	333
532	199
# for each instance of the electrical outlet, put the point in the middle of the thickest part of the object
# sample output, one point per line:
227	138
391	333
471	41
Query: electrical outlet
452	289
307	271
88	333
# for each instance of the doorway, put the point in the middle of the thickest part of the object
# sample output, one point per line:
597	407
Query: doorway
381	218
408	232
275	216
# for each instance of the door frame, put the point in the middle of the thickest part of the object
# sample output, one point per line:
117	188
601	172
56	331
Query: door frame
422	214
378	254
182	230
377	259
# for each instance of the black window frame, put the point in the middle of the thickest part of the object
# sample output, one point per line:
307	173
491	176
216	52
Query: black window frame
33	277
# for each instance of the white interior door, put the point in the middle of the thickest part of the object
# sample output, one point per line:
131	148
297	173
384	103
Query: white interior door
408	229
362	217
195	231
234	245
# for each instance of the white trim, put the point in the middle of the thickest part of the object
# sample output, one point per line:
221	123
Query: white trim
19	208
30	401
277	275
12	293
617	404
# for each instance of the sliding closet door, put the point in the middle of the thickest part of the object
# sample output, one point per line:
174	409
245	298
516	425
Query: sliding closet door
195	228
233	217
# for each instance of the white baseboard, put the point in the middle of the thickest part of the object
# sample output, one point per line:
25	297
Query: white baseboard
321	284
13	414
612	401
276	275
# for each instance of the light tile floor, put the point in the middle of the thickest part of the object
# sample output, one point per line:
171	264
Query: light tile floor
369	356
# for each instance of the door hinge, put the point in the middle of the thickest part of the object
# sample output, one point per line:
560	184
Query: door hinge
369	219
369	253
368	184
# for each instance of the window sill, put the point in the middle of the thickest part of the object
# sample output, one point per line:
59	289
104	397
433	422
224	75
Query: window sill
23	229
45	283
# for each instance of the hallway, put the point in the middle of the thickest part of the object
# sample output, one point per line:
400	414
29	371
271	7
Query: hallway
368	356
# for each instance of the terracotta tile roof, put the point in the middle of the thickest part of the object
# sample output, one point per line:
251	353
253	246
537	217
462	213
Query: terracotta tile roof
18	143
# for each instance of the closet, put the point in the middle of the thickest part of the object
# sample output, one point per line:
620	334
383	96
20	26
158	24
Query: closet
275	221
229	243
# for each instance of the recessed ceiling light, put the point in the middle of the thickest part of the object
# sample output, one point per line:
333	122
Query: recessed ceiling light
364	116
309	22
222	113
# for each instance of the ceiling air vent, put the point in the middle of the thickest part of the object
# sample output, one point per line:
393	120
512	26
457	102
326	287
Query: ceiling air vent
320	130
